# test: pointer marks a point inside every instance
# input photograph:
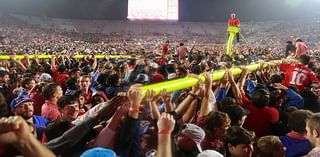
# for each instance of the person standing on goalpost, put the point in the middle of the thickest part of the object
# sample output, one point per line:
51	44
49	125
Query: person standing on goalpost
234	22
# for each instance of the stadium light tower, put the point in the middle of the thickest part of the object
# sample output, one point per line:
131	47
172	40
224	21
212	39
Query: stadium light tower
172	7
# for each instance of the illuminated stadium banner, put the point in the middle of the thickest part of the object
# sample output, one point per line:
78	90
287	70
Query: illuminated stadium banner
153	9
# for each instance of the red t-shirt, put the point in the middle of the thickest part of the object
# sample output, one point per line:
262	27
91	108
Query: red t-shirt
50	111
301	49
38	100
298	75
182	51
259	120
165	49
157	77
162	61
234	22
207	142
59	78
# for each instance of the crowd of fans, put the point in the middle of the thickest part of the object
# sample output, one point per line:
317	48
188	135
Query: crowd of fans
95	107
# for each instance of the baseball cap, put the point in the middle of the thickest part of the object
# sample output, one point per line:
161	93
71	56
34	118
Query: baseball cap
172	76
18	100
210	153
45	77
18	91
171	61
86	70
142	78
195	133
98	152
154	65
100	93
157	78
234	111
108	65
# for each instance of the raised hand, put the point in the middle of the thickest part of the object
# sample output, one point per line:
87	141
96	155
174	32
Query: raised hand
13	130
284	61
225	79
230	76
165	96
135	97
200	81
245	71
196	91
151	96
165	128
13	57
26	56
208	78
36	59
166	122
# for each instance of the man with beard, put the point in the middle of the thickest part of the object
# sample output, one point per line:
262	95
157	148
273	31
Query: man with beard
23	106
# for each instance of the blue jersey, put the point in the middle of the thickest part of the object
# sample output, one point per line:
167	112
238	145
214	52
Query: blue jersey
40	123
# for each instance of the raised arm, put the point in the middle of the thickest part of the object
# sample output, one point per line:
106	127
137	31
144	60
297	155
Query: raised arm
63	61
152	99
26	60
242	79
165	127
185	104
193	94
261	75
205	106
53	62
36	59
107	136
76	134
135	98
191	112
15	131
235	89
18	63
128	132
221	91
117	117
166	98
95	62
295	98
298	49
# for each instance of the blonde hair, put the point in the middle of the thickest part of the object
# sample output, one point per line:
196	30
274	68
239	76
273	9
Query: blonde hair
313	123
267	144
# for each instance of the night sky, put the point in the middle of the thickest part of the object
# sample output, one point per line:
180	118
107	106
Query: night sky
189	10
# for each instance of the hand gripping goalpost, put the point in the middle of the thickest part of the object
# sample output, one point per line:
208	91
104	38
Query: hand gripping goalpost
187	82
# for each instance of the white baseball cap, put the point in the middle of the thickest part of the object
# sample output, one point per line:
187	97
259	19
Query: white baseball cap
210	153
